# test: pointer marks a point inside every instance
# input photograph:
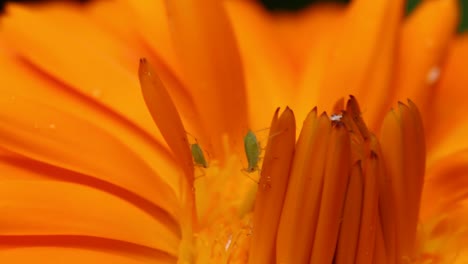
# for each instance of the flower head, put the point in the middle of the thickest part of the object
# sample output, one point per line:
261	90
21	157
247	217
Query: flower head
88	177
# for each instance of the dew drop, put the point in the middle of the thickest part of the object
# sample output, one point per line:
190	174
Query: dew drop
52	126
96	93
266	185
433	75
429	43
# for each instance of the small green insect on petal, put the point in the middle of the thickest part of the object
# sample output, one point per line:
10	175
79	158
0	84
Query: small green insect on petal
252	151
198	156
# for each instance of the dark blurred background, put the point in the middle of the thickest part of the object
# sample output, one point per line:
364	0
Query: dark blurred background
411	4
293	5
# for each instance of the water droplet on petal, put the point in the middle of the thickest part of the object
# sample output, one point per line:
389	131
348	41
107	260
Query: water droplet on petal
52	126
433	75
429	43
96	93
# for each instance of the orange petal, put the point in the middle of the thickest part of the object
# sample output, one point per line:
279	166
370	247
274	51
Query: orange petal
354	112
358	48
377	89
183	102
58	253
103	14
53	208
150	20
403	151
301	206
336	175
126	34
272	188
42	90
267	67
166	117
207	50
124	54
43	133
445	186
100	73
414	158
302	32
387	211
369	217
380	254
444	237
448	134
55	254
392	149
314	33
424	41
20	168
349	231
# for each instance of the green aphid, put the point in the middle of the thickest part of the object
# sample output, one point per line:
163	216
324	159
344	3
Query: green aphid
198	156
252	151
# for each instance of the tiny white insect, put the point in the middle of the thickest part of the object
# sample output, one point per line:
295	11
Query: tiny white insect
336	117
228	243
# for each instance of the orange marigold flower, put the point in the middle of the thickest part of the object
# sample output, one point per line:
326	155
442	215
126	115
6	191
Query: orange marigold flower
87	177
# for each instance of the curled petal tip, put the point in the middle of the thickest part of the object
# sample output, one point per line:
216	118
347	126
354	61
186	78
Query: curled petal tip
324	114
288	110
412	105
165	115
353	105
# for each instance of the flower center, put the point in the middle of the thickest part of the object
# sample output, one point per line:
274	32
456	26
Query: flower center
339	194
334	195
224	197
